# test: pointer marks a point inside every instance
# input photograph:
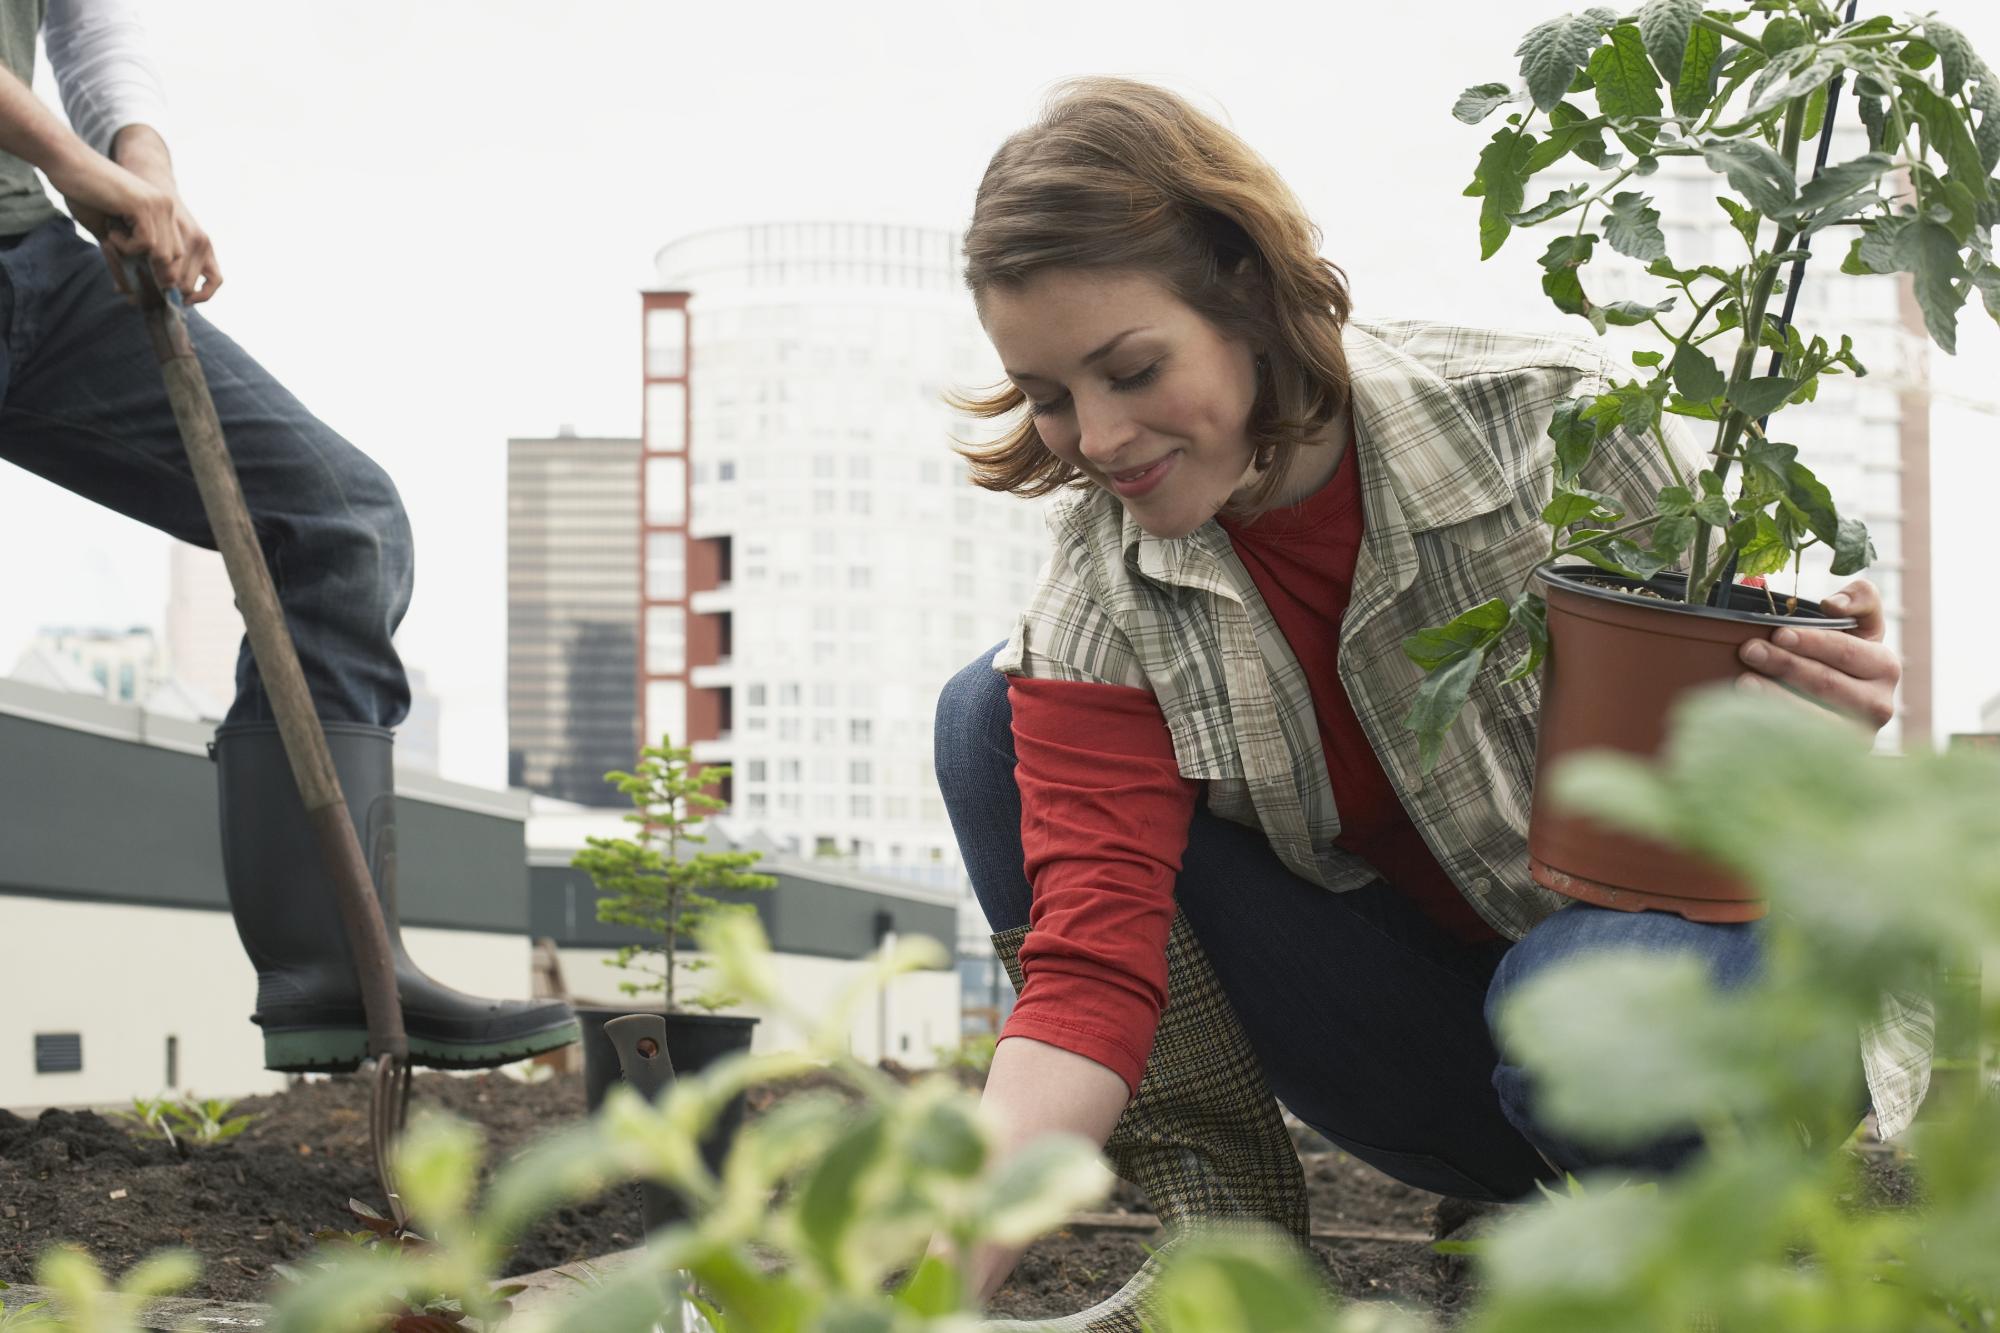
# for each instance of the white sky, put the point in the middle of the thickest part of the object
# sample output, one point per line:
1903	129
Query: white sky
435	218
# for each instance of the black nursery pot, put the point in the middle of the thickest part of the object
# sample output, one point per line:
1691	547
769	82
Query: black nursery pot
694	1042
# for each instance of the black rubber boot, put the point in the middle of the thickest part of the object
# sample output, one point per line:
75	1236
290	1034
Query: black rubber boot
308	1000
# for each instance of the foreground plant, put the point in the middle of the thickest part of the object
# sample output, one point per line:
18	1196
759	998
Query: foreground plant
1764	1232
1676	80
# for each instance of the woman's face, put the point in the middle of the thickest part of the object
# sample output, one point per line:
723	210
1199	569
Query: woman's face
1132	387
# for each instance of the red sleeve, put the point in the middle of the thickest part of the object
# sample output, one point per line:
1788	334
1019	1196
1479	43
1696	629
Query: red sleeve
1104	820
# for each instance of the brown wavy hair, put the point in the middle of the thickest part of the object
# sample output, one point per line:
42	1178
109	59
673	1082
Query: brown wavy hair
1117	174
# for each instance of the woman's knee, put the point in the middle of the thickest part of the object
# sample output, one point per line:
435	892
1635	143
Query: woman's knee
972	731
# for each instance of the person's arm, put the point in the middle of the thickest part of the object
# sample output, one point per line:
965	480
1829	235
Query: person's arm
1104	818
113	169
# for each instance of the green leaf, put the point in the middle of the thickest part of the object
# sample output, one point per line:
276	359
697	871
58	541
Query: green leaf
1673	535
1577	505
1566	290
1559	202
1648	358
1695	84
1815	114
1941	284
1852	549
1759	547
1439	700
1503	175
1960	60
1623	76
1573	436
1619	556
1554	51
1887	246
1531	613
1713	510
1479	101
1676	501
1744	220
1469	632
1665	26
1628	313
1569	251
934	1290
1039	1186
1763	395
1945	130
1810	495
1696	375
831	1200
1828	196
1756	170
1632	227
1570	131
1783	34
1987	280
1793	74
1986	138
1874	115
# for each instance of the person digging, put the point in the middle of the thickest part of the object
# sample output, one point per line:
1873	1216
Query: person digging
82	405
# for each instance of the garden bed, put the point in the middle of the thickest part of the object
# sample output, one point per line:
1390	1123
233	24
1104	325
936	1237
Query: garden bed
254	1201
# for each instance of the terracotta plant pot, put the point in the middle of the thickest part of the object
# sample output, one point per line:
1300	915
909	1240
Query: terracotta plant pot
1616	665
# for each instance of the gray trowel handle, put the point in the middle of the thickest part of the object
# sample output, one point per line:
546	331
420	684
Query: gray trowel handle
641	1043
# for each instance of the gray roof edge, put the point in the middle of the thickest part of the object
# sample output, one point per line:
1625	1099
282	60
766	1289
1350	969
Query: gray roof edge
129	722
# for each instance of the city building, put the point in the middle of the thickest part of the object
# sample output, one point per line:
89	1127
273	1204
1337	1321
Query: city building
572	613
816	563
121	666
132	981
204	630
1868	439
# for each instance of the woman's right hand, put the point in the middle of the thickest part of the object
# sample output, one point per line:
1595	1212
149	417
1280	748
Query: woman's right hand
1032	1089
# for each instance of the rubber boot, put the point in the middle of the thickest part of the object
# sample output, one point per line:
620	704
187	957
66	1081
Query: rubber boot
282	896
1203	1138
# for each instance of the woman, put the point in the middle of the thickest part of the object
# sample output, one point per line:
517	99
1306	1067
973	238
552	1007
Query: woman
1202	705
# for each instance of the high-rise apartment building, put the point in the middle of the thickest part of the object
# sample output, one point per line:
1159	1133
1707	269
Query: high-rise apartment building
816	563
572	613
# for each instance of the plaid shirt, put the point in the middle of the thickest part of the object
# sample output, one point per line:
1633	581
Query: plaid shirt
1451	437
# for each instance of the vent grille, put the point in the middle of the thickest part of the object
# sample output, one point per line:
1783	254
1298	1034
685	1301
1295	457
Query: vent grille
58	1052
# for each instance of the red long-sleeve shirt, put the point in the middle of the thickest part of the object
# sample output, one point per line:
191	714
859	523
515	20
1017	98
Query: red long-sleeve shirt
1105	810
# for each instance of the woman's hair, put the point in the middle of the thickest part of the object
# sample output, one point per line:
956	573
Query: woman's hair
1121	175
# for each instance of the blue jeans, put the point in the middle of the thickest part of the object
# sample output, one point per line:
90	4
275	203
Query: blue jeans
1372	1024
82	404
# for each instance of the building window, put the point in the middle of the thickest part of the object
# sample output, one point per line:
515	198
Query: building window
860	772
758	805
666	342
822	501
788	694
788	770
725	470
823	465
822	731
666	566
666	418
861	806
788	728
860	731
825	694
857	502
666	491
860	576
666	640
757	769
753	695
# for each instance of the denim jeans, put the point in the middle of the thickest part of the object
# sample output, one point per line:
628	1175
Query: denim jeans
82	404
1372	1024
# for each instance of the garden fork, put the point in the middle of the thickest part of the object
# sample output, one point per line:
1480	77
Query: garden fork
304	740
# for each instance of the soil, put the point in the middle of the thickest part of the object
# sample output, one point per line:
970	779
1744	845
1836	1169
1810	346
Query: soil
255	1200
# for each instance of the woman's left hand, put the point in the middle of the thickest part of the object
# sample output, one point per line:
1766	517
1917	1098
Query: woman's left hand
1851	671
